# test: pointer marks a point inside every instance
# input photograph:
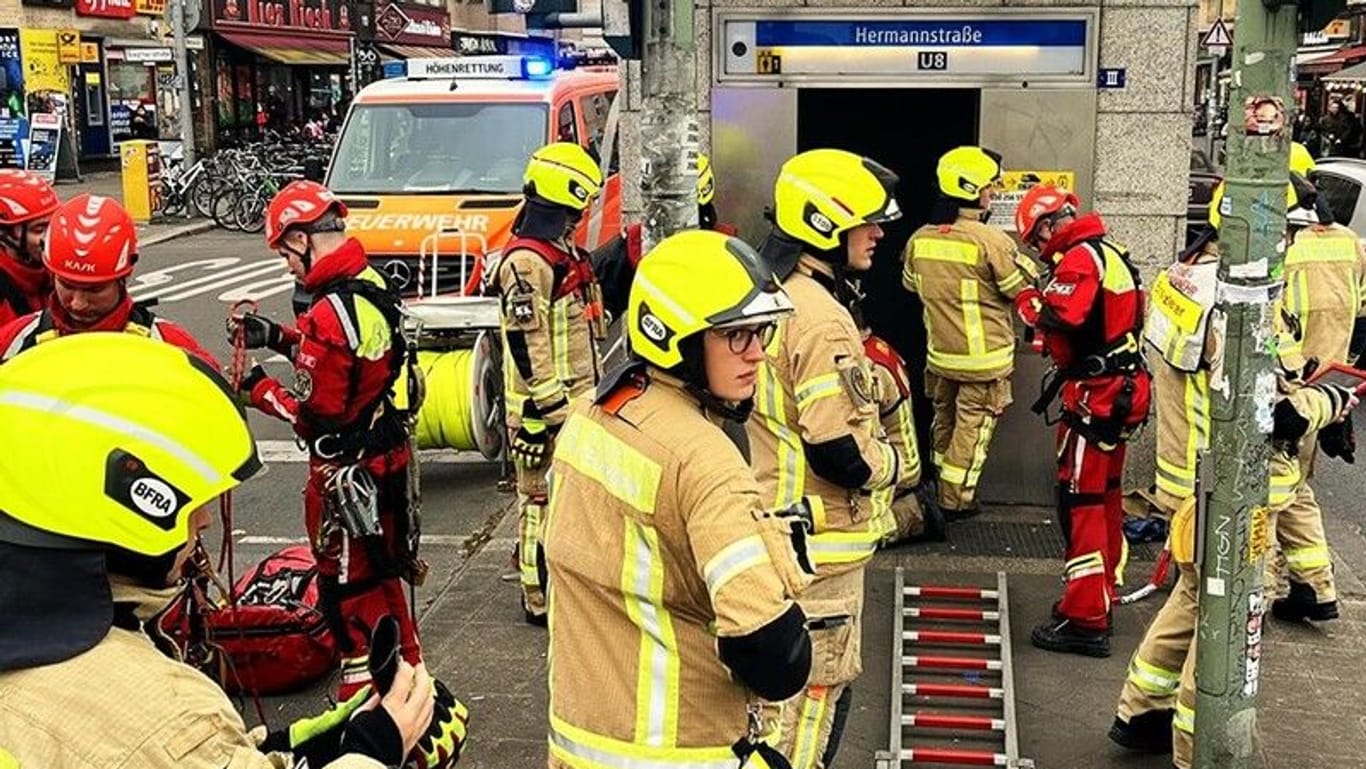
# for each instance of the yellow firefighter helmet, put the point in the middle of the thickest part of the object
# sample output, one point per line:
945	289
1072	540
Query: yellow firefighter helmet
565	174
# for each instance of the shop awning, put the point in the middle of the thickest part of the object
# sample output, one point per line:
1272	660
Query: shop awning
1335	61
1356	72
405	52
325	51
1309	57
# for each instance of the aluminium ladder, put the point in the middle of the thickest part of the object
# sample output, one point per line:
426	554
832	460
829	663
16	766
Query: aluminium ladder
981	712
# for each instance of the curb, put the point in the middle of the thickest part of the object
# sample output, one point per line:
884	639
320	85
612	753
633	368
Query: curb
182	231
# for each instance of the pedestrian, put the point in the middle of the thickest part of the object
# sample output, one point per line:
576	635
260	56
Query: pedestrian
1090	315
90	250
672	619
966	273
552	322
27	203
815	439
348	350
127	441
1341	130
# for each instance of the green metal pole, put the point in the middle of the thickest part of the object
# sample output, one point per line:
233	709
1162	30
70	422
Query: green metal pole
1253	213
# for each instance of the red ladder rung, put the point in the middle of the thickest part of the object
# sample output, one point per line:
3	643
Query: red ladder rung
951	756
952	637
949	663
937	721
933	591
974	615
967	691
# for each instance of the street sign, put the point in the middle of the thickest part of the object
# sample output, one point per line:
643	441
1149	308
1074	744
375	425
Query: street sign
366	56
1218	36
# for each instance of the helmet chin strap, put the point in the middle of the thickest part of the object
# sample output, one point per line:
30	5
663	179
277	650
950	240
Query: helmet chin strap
305	256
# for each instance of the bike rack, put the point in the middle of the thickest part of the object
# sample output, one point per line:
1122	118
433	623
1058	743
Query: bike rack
985	708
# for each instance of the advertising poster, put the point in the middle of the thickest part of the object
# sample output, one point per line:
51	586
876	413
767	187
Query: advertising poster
46	79
44	137
1015	184
13	120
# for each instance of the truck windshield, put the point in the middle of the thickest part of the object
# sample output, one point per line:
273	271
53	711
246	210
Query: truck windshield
433	148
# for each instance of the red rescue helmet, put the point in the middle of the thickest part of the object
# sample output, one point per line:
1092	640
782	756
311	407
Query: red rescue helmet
299	203
24	197
91	239
1040	203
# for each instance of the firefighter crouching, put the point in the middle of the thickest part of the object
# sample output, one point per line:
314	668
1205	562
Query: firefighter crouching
127	441
347	350
1090	313
966	273
671	586
552	322
815	439
90	250
27	203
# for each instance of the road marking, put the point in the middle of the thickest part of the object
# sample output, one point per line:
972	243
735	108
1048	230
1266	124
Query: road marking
435	540
287	452
164	282
237	278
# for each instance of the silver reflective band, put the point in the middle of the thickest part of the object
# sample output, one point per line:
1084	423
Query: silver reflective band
617	761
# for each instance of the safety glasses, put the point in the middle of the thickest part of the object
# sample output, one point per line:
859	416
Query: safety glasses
739	338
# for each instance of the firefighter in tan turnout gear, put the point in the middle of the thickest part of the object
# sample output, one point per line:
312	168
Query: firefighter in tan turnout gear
552	321
967	274
815	439
671	589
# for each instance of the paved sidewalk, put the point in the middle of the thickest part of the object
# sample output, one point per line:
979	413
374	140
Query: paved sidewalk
110	184
1311	704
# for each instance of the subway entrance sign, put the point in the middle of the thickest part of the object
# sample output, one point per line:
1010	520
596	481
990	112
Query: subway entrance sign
1030	46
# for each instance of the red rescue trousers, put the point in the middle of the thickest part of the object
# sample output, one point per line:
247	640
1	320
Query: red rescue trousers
1092	517
361	580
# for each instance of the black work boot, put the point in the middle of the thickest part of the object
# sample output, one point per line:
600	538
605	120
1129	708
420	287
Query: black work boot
1302	604
928	494
535	620
1061	635
1149	732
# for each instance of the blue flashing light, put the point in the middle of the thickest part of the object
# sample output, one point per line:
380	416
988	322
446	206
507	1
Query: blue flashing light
536	68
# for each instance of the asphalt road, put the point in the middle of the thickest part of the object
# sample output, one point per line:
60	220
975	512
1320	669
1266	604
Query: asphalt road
195	281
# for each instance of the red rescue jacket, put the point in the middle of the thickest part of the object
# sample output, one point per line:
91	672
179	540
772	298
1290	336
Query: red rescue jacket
36	327
23	289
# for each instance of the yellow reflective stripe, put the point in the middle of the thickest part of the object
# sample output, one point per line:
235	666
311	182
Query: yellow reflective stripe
1011	282
1282	489
1116	276
791	462
734	560
952	473
1184	718
934	250
1312	557
807	742
1308	250
546	389
883	519
972	317
979	451
526	550
582	749
1152	679
559	339
1084	566
844	546
1173	479
1297	292
815	389
642	583
905	419
1197	411
622	471
937	457
988	360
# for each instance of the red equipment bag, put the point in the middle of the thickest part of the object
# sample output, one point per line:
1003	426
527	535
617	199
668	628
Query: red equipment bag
275	641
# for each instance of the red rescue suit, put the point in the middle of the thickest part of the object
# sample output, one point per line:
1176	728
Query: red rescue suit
24	332
23	289
334	398
1090	313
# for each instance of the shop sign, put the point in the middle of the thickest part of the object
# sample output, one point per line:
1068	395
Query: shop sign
1014	185
90	53
150	7
407	24
911	46
69	46
13	118
146	55
309	15
50	3
107	9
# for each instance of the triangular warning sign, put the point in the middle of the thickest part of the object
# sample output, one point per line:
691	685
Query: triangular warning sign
1217	35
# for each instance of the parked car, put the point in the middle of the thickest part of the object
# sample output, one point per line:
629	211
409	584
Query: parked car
1204	177
1339	181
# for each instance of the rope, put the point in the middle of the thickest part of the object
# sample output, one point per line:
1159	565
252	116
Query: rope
446	419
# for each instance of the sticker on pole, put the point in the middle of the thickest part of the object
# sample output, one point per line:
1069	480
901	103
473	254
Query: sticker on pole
1014	185
1263	115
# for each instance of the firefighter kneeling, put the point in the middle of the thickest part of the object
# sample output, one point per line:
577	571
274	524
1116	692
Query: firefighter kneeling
1090	313
672	619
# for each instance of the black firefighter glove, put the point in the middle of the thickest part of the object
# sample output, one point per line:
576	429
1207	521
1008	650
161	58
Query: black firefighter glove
257	331
531	444
254	376
1339	440
440	746
318	739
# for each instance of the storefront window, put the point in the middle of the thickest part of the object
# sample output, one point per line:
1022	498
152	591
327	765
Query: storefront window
132	101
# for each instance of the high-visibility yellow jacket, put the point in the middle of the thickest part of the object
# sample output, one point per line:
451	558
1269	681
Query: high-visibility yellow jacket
814	435
1325	287
656	545
967	275
550	353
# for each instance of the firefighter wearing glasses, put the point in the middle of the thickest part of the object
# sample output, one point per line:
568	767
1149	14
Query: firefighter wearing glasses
815	439
966	274
127	441
1090	313
348	350
664	565
27	203
552	323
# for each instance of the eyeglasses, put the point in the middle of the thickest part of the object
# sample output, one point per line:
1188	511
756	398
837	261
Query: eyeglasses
739	338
